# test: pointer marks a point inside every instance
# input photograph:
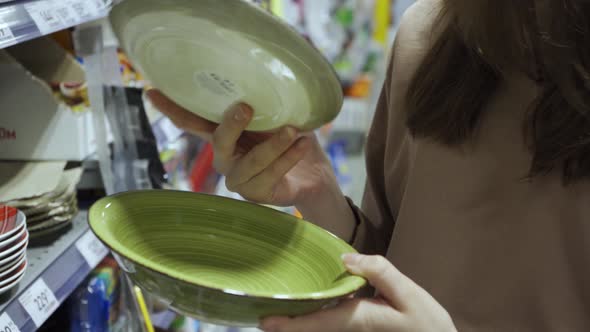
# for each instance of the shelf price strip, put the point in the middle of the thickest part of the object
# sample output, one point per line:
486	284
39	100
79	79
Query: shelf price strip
6	37
91	249
7	325
54	15
45	16
39	302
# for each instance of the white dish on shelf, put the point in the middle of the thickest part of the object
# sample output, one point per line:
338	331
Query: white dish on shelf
11	221
207	55
13	268
19	245
14	275
7	260
12	241
11	285
70	209
10	263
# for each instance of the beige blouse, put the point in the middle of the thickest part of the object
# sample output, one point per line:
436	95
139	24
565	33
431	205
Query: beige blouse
500	253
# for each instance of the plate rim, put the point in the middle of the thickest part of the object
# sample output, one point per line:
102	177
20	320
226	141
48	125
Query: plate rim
8	252
9	287
22	265
15	261
15	255
15	237
21	219
321	58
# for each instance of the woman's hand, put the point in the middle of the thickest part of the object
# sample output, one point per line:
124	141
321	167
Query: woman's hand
278	169
402	306
282	169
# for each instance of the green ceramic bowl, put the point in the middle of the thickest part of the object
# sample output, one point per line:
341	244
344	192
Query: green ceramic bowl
220	260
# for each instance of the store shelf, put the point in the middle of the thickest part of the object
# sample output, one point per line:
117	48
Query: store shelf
62	266
25	20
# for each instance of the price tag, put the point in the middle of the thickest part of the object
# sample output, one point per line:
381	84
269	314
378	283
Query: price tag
6	37
39	301
6	324
45	16
67	15
91	249
98	5
83	9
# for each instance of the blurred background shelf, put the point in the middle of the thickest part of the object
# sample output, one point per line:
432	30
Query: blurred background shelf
62	267
21	21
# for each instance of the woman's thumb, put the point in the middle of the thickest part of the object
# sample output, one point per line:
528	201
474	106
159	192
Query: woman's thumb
381	274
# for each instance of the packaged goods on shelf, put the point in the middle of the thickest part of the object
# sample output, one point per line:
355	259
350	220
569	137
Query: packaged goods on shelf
95	305
43	109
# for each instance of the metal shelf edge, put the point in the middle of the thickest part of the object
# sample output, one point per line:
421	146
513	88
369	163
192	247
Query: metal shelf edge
62	275
21	21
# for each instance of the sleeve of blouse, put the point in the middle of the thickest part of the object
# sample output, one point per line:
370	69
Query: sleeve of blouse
374	222
389	148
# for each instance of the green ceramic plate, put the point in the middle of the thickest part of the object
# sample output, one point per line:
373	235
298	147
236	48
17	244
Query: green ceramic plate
209	54
220	260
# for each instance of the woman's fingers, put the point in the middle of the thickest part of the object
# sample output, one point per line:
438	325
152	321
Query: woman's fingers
252	162
181	118
262	156
387	280
262	186
350	316
226	136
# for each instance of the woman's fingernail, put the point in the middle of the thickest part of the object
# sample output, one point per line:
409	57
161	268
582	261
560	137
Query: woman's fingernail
351	260
240	114
287	134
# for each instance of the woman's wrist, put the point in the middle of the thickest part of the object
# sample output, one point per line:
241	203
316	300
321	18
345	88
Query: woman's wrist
328	208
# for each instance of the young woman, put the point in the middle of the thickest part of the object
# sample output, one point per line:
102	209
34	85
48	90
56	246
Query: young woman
478	174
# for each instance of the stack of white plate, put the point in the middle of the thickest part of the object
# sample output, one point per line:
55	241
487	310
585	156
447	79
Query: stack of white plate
14	239
52	212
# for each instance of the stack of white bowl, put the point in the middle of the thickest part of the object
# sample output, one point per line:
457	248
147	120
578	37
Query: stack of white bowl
14	239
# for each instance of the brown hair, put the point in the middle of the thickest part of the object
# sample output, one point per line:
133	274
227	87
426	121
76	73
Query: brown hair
547	39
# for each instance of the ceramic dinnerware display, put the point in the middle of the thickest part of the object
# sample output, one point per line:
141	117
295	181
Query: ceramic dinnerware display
11	221
208	54
10	245
51	213
14	239
223	261
14	260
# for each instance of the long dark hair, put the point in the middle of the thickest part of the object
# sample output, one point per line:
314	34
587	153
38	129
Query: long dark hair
549	40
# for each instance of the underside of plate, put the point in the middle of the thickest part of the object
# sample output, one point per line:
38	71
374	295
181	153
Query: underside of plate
208	55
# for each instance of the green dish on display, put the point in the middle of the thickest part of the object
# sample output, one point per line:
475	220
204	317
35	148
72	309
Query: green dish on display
207	55
220	260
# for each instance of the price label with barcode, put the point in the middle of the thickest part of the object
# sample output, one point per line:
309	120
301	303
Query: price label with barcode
84	9
66	14
91	249
6	324
45	16
39	302
6	37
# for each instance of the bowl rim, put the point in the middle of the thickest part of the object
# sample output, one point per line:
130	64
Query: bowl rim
355	283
